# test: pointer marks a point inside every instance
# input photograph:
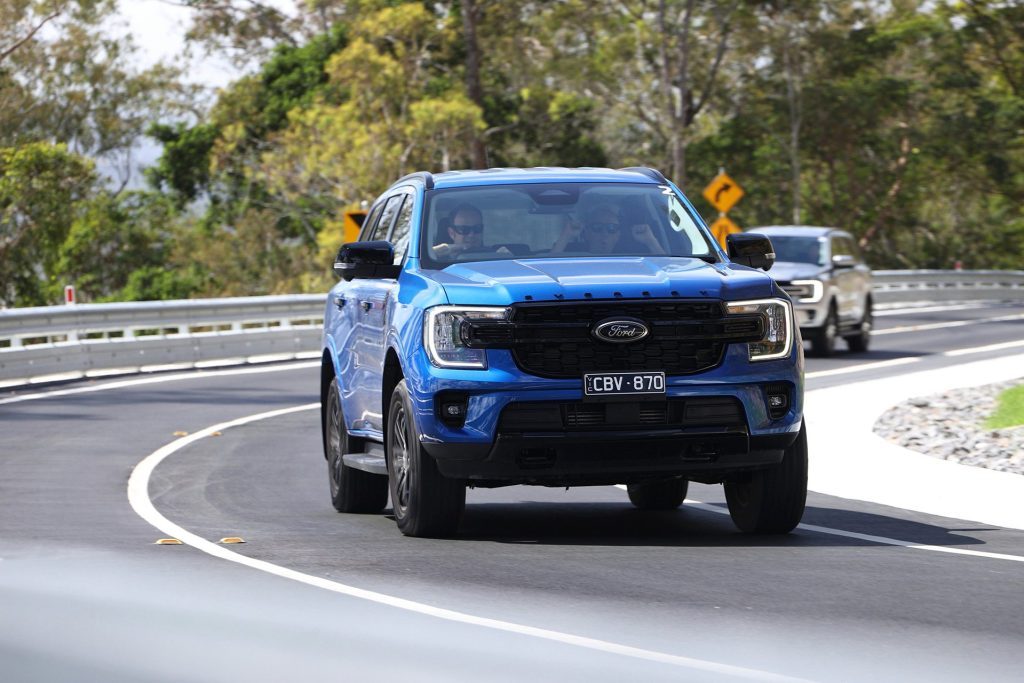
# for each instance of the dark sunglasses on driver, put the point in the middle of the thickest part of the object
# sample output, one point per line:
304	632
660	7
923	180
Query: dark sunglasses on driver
468	229
609	228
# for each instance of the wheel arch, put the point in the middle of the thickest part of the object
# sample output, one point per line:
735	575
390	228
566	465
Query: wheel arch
327	374
393	374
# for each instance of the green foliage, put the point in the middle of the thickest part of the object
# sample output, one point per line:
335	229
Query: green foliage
247	257
41	187
183	169
550	128
112	239
1010	412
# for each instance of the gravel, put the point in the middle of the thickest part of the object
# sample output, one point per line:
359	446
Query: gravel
951	426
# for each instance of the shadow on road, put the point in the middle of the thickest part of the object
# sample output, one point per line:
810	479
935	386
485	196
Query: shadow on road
612	524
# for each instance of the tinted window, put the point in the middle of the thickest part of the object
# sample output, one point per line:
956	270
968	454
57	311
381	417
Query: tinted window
380	232
557	220
370	223
400	233
799	249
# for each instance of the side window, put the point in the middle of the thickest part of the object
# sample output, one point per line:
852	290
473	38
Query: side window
400	233
370	223
839	247
387	217
855	249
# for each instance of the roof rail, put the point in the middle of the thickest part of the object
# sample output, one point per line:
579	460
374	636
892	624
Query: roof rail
651	173
428	180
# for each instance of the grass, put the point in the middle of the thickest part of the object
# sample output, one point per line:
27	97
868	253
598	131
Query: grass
1010	412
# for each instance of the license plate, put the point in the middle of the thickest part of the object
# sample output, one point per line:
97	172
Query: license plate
623	384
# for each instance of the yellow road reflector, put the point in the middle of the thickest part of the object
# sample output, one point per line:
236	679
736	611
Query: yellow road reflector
179	433
168	541
215	433
232	539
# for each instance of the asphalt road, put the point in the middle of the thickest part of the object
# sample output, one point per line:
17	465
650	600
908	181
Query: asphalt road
579	585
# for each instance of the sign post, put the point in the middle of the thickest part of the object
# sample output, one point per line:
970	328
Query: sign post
723	192
69	294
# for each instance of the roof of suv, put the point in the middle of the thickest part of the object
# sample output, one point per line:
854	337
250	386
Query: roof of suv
505	176
805	230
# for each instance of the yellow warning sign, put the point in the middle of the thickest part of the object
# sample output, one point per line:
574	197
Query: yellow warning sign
723	192
722	228
352	223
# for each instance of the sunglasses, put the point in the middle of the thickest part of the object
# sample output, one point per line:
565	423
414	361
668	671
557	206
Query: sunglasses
468	229
609	228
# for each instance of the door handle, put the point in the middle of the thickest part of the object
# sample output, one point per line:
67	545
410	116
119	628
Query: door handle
367	305
339	301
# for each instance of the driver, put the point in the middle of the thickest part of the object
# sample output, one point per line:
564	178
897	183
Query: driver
466	232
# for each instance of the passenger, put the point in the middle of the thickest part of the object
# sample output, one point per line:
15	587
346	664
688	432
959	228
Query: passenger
601	233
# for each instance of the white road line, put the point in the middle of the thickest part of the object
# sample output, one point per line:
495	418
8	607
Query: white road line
158	380
967	305
138	496
943	325
862	368
983	349
873	539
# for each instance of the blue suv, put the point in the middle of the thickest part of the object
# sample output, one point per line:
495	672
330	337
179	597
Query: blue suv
557	327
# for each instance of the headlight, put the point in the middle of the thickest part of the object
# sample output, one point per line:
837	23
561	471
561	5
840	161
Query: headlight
778	329
806	291
442	338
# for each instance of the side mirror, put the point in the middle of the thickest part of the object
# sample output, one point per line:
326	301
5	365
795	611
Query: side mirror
843	261
366	260
750	249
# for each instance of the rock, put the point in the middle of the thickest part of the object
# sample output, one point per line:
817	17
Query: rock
949	426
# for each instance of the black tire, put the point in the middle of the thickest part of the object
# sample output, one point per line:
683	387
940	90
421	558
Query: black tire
771	501
823	343
424	502
662	494
352	490
860	341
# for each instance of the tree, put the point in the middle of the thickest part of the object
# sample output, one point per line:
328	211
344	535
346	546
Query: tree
64	78
401	114
41	186
114	239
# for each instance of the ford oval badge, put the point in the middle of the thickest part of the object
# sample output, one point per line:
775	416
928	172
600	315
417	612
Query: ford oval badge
620	330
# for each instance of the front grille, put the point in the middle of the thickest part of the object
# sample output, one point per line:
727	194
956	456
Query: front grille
681	413
555	340
800	291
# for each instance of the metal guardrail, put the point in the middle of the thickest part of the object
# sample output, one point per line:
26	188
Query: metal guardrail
86	340
903	286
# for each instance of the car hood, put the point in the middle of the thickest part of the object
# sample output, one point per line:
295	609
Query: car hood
785	271
511	281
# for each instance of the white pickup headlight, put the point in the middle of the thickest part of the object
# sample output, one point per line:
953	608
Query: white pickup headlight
806	291
442	339
778	332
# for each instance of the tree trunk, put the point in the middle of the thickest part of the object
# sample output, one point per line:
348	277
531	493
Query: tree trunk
470	15
795	119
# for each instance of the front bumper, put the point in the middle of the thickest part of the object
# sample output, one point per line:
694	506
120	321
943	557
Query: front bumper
487	451
601	458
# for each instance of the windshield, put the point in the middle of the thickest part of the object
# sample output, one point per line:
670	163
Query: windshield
558	220
797	249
